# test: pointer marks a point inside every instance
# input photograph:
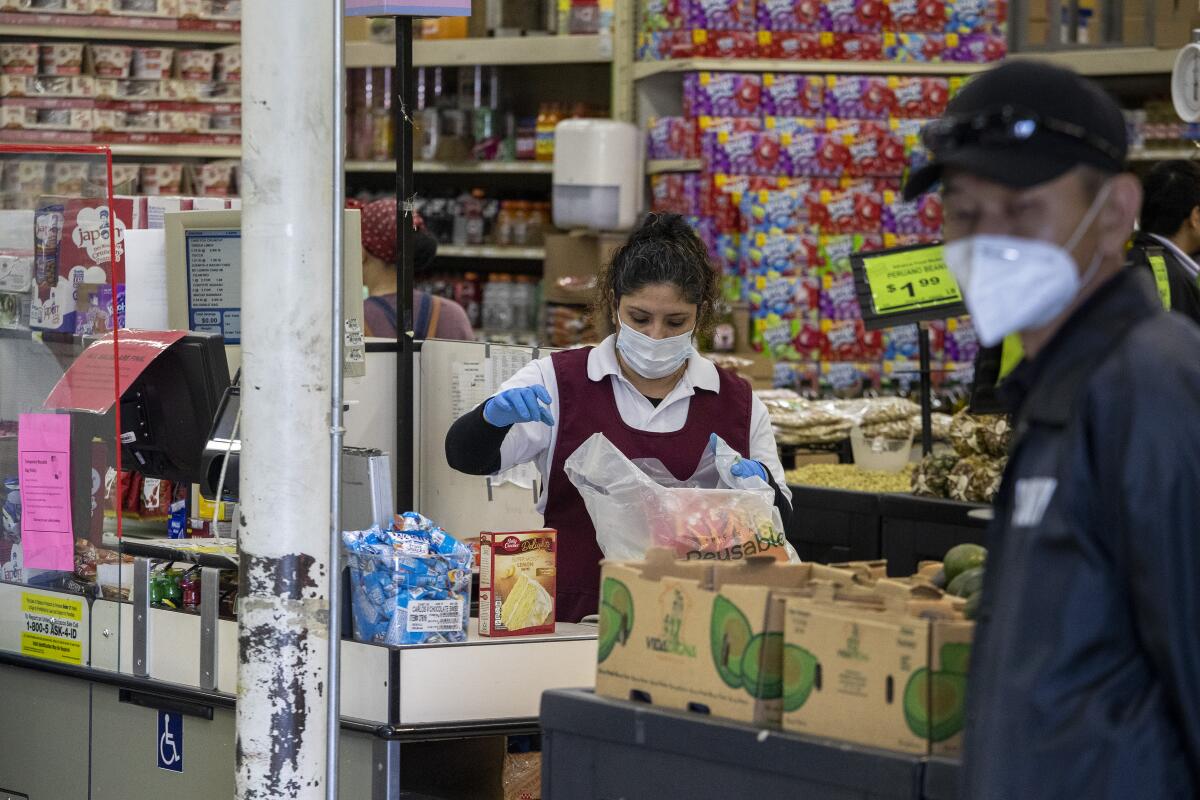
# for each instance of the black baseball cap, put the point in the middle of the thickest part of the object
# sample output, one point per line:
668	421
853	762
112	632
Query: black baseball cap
1021	124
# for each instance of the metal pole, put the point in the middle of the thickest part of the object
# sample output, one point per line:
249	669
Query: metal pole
926	389
405	99
289	189
336	428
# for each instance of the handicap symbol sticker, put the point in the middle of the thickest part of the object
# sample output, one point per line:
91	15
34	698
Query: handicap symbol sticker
170	741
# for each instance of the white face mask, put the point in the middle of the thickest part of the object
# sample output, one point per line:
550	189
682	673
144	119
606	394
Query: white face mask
653	358
1013	284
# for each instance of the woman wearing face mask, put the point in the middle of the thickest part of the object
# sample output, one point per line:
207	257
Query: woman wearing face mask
645	388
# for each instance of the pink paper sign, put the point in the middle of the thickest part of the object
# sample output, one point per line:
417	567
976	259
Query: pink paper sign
44	461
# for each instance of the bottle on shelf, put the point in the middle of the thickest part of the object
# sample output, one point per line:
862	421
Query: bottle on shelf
473	214
498	303
362	134
537	220
520	223
548	117
383	141
467	294
504	224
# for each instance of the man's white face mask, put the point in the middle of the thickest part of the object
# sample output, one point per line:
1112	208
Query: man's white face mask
1012	283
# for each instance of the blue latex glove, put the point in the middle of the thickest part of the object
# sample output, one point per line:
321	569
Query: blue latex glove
515	406
748	469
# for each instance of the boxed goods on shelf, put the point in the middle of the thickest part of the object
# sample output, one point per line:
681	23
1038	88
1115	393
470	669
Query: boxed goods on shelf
517	582
574	256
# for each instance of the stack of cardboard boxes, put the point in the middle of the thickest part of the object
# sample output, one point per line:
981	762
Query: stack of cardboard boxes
832	651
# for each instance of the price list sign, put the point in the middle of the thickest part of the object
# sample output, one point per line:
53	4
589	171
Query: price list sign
214	283
906	285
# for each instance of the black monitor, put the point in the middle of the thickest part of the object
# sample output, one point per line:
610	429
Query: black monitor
167	413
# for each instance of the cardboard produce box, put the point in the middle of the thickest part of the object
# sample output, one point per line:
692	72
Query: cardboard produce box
699	636
884	666
573	263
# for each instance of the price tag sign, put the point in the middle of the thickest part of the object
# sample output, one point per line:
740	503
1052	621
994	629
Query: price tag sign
906	285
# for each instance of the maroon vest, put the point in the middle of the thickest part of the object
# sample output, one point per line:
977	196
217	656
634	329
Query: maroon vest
587	407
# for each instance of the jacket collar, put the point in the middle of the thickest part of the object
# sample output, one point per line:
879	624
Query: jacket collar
1045	390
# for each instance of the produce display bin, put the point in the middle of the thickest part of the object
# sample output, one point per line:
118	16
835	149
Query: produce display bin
915	529
595	747
834	525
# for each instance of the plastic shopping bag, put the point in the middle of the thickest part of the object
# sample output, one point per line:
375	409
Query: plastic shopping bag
637	505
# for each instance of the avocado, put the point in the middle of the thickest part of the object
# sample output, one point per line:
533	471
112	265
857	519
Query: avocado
762	666
611	630
961	558
972	610
729	633
616	595
934	704
799	676
956	657
967	583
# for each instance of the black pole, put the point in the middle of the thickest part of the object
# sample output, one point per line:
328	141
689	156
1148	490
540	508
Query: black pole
404	99
926	390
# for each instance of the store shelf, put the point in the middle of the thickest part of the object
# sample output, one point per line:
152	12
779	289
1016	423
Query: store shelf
509	50
459	168
177	150
490	251
646	69
102	28
1164	154
1110	61
681	165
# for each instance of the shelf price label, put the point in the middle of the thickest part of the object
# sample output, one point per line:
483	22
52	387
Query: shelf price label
909	281
53	628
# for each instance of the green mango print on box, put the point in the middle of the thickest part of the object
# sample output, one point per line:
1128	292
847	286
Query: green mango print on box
934	704
729	634
799	676
611	629
762	666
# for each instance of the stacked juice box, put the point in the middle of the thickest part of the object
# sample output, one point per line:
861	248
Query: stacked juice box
853	30
799	172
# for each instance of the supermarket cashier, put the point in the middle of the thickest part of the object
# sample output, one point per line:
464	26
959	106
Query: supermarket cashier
646	388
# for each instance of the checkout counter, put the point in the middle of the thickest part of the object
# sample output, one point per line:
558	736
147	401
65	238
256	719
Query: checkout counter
118	698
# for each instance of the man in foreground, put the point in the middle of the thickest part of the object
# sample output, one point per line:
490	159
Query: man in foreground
1085	675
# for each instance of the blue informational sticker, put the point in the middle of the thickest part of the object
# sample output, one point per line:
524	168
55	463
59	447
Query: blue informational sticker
170	741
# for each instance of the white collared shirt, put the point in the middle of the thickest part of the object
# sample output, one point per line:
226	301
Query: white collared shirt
1188	262
534	441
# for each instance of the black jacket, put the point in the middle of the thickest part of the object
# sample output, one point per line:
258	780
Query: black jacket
1085	674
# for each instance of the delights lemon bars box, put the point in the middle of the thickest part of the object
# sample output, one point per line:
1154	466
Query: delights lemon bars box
517	574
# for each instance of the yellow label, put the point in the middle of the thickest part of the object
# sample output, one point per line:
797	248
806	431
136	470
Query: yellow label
1012	352
909	281
723	137
826	39
893	81
700	36
1158	265
206	508
769	79
764	37
53	628
889	40
785	139
705	78
831	81
952	40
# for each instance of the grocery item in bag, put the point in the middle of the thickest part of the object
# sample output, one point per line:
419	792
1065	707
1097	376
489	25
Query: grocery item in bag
637	505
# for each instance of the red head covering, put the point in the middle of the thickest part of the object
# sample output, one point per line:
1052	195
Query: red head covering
379	229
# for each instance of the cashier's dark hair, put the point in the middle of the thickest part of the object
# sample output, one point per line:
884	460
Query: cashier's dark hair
663	249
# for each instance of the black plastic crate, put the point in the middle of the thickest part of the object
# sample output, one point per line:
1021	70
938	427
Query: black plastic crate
595	748
915	529
834	525
941	779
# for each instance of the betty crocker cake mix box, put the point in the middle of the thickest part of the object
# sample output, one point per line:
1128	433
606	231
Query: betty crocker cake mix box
517	576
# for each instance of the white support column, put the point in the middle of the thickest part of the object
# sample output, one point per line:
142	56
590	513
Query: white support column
289	192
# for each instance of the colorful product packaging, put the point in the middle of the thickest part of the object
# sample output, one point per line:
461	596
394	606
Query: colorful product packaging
858	97
794	45
857	16
71	252
722	94
793	15
918	16
517	581
724	44
672	138
722	15
782	253
793	95
920	218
